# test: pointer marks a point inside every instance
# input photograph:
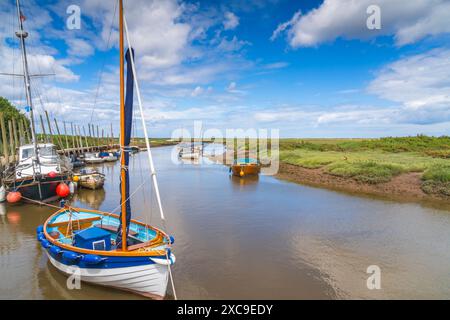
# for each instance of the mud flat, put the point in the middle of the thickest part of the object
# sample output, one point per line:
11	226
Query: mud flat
406	186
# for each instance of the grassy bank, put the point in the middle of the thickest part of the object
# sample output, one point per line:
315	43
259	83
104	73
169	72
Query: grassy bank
154	142
374	161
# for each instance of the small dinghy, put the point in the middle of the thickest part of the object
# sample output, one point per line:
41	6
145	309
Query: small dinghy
189	155
89	179
92	158
108	156
88	239
245	167
108	249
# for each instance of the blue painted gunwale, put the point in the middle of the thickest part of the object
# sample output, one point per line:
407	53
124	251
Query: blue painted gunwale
109	259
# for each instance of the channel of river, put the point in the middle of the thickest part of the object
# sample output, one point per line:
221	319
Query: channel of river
244	238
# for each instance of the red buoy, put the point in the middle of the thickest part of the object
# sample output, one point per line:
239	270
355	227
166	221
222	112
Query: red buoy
62	190
52	174
13	197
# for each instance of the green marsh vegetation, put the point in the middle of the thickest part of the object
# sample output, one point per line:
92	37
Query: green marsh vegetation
375	161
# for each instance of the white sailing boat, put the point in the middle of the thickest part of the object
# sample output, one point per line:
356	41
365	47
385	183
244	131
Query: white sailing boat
108	249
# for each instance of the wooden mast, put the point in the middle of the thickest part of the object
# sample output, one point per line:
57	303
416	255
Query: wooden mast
122	131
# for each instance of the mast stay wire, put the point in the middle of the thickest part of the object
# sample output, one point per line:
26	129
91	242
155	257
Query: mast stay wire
13	25
36	87
39	83
149	153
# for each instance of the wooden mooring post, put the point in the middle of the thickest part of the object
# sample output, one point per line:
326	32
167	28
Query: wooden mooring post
11	139
65	134
21	134
44	138
16	138
4	141
49	126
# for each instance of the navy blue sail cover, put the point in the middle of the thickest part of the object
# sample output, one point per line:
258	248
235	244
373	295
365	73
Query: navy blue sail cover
128	114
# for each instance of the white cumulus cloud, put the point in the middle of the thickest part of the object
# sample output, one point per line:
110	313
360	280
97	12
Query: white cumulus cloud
408	21
231	21
419	81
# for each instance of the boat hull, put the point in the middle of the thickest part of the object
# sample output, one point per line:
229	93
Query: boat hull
29	188
92	184
110	158
91	181
78	164
93	161
143	268
2	194
245	170
149	280
190	155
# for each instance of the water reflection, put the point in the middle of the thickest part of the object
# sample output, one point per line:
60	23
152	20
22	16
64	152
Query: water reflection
245	181
92	199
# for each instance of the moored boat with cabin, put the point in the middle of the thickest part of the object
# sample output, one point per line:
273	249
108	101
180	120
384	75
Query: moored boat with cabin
37	177
40	170
109	156
245	167
92	158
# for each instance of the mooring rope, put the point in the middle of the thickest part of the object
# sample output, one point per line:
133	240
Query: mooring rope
43	203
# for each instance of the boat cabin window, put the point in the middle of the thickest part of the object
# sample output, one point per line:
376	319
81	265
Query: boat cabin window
99	245
27	153
47	151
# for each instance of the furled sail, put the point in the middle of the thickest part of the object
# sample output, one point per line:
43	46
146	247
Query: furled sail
128	114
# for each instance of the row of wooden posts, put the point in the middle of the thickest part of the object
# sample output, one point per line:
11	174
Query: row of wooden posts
18	132
78	140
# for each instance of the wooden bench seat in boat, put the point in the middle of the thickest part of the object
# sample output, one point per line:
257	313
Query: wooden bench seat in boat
74	221
152	243
76	224
114	229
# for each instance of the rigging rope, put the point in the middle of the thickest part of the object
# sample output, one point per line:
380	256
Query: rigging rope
132	194
147	142
43	203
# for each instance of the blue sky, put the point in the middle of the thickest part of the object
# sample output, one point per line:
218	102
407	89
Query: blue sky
307	68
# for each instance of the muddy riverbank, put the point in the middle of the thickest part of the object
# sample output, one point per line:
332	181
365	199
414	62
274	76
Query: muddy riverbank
406	186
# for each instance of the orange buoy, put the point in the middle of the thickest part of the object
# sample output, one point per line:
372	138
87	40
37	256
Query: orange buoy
241	173
52	174
14	197
62	190
76	178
